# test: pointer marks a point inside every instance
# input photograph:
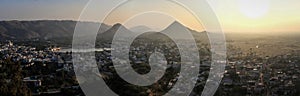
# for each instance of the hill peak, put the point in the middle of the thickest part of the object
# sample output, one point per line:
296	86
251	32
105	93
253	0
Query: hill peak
117	25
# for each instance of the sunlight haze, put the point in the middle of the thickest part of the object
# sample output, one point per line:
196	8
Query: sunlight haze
251	16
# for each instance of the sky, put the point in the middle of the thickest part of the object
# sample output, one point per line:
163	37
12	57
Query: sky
248	16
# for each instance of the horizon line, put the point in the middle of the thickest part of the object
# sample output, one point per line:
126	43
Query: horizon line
92	21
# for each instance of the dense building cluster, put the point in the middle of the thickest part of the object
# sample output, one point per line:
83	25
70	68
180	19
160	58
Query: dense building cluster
50	71
42	71
252	75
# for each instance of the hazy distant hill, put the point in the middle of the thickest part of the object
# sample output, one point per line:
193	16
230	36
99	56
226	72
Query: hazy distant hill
140	28
43	29
175	28
62	31
110	33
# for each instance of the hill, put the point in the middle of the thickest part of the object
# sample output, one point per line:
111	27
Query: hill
62	31
42	30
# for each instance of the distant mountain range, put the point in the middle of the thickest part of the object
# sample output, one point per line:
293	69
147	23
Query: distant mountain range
57	30
44	29
140	28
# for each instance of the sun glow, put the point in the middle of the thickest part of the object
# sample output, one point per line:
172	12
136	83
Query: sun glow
254	8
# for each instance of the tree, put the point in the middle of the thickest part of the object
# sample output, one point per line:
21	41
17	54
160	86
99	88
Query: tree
12	85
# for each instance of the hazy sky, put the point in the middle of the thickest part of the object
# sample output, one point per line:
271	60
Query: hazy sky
234	15
259	15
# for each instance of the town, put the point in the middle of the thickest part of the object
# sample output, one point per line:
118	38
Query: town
25	70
